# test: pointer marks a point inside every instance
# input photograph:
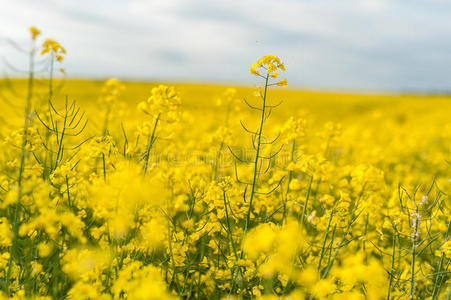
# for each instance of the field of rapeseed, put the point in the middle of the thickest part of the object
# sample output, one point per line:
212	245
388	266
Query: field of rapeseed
128	190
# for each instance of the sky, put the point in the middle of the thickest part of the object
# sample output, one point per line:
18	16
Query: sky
362	45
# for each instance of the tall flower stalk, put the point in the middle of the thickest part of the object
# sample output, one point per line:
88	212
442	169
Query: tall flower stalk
266	68
27	123
162	106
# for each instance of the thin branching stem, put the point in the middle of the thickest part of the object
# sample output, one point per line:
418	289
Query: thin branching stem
26	126
150	143
257	156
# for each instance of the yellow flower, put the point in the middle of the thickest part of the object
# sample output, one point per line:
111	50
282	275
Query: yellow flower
445	249
254	69
34	32
52	46
270	63
282	83
44	249
164	102
36	268
111	91
323	288
5	233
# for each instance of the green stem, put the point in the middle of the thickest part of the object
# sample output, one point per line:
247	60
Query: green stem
392	268
105	124
307	195
27	124
60	143
323	248
413	255
257	156
47	170
229	229
216	163
149	145
290	176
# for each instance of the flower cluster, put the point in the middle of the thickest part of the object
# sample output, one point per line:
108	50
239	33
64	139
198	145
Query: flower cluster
163	101
55	48
269	65
34	32
111	91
